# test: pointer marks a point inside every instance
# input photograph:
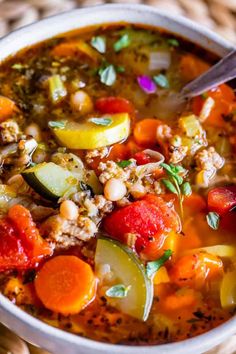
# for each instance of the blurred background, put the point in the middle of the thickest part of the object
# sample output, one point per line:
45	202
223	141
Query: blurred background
219	15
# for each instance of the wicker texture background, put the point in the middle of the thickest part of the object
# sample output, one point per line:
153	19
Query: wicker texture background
219	15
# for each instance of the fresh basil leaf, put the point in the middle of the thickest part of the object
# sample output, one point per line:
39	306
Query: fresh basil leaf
122	43
173	42
107	75
152	267
161	80
177	168
101	121
124	163
57	124
99	43
119	291
186	189
169	185
213	220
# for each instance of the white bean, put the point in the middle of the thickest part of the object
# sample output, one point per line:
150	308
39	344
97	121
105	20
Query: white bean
81	102
69	210
114	189
34	131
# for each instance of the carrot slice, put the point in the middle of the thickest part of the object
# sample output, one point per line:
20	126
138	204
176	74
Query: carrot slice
191	67
145	131
7	108
65	284
76	47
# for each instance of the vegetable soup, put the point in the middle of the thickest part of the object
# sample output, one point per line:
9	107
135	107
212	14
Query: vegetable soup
117	201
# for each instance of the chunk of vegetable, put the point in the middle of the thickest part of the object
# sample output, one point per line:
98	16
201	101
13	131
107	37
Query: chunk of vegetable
222	199
149	219
193	270
228	290
49	180
145	131
7	108
223	251
34	245
65	284
94	133
76	47
12	253
128	270
57	89
190	125
107	105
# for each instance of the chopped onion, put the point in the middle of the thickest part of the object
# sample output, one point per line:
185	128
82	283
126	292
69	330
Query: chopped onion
206	109
159	60
150	167
146	84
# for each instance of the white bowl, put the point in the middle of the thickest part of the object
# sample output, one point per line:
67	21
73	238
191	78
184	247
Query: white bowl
28	327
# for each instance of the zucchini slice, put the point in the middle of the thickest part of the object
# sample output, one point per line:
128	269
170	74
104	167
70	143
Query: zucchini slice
49	180
130	272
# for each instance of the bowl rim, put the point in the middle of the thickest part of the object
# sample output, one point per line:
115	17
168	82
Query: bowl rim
212	337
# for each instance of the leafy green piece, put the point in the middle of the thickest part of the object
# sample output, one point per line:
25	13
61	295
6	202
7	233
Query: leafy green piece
57	124
161	80
120	69
99	43
101	121
173	42
173	171
107	75
118	291
152	267
213	220
124	163
169	185
186	189
122	43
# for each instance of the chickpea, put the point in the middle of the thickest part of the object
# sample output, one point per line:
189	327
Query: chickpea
69	210
81	102
34	131
114	189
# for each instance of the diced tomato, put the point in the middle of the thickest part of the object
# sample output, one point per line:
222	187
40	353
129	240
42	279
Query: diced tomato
142	158
150	219
12	253
35	246
224	97
222	199
114	105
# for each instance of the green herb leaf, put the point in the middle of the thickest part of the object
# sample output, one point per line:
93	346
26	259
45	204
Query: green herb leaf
161	80
56	124
124	163
101	121
213	220
107	75
186	189
119	291
169	185
152	267
171	170
120	69
122	43
177	168
99	43
173	42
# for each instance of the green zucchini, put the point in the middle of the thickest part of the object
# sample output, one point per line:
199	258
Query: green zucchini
129	271
49	180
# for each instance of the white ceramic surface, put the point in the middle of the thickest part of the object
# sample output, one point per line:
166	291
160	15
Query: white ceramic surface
29	328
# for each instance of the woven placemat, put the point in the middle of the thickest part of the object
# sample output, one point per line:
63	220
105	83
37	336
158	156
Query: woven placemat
219	15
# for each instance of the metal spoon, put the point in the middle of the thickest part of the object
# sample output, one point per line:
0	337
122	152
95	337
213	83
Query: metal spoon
223	71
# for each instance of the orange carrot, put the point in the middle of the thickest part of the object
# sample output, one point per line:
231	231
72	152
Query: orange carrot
65	284
195	203
145	131
118	152
182	298
76	47
7	107
191	67
192	270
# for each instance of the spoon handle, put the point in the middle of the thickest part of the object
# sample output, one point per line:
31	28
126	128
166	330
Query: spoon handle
221	72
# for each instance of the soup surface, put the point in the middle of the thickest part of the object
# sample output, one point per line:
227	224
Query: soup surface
116	200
